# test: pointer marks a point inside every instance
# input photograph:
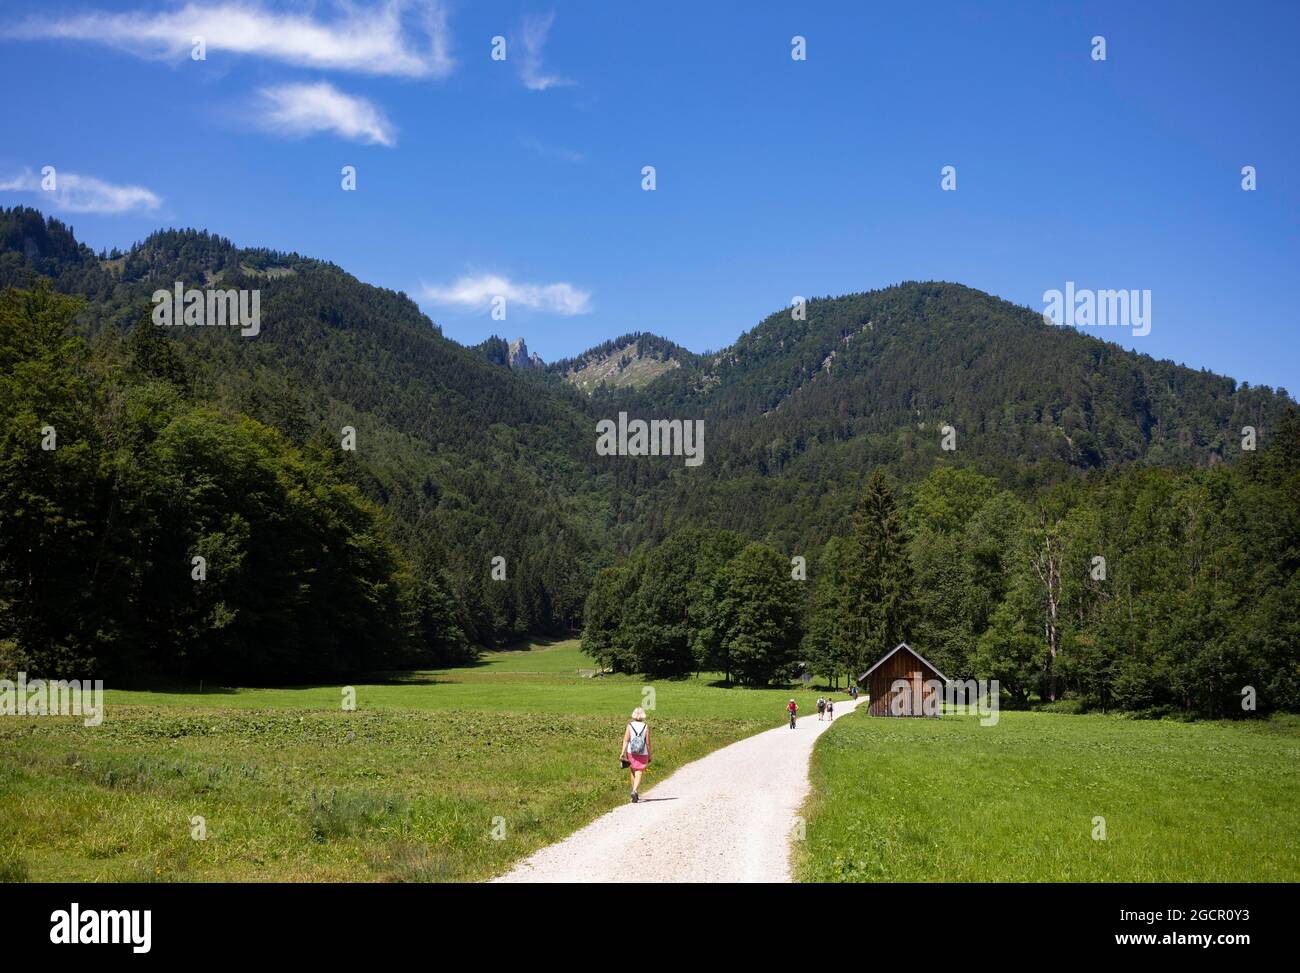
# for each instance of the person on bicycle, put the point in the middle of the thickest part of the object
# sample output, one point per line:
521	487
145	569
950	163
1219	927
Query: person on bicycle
792	709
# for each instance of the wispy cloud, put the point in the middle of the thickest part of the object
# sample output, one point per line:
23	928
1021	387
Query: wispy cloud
532	39
73	193
304	109
405	38
549	151
477	292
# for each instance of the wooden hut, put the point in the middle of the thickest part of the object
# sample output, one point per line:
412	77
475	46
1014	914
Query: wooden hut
902	662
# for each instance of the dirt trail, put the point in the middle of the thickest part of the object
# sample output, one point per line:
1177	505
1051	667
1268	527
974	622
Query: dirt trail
727	817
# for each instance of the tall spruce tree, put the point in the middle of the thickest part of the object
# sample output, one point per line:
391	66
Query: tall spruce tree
825	649
877	600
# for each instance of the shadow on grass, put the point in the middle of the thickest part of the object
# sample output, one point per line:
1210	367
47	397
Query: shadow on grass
177	688
413	677
522	647
527	645
400	677
788	687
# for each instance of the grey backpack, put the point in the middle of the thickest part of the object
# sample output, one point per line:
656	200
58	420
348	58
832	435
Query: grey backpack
636	741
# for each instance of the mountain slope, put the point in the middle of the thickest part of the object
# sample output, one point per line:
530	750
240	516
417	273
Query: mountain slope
471	460
798	411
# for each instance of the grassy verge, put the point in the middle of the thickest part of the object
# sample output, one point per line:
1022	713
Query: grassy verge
950	800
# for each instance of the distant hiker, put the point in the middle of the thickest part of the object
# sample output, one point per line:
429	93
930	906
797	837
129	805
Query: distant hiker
853	692
821	707
635	753
792	709
830	709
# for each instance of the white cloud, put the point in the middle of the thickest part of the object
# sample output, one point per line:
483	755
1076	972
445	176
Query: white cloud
477	292
302	109
550	151
405	38
533	39
72	193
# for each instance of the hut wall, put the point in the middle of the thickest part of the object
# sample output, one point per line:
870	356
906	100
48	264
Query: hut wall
901	665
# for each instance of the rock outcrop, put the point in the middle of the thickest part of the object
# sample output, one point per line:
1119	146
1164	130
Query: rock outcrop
520	358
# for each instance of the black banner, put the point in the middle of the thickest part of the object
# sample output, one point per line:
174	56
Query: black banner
932	922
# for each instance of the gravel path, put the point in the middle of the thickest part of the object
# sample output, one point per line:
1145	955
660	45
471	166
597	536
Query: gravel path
728	817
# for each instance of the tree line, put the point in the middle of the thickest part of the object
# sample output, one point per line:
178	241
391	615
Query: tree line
144	532
1152	590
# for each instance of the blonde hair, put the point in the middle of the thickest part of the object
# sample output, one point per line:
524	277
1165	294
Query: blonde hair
638	714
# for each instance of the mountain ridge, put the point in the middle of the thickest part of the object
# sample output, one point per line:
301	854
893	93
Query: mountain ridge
471	460
25	228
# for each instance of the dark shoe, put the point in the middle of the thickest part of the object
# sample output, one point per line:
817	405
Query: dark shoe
635	797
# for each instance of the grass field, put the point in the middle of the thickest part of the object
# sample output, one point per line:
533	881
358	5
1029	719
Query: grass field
543	680
292	788
949	800
453	775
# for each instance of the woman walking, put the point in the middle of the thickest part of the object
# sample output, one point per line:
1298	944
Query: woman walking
635	753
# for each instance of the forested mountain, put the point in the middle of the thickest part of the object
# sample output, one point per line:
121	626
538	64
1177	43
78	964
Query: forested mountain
468	461
798	412
459	461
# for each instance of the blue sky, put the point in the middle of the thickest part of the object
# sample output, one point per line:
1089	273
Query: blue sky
775	177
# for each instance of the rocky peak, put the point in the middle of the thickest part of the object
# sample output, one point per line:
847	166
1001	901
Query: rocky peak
520	358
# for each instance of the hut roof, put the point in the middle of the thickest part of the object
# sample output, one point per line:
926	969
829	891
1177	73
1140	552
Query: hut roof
902	645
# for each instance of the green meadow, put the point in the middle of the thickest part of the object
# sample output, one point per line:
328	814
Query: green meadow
452	775
917	800
436	776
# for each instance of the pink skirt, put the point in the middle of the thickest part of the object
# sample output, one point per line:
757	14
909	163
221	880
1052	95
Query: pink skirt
638	761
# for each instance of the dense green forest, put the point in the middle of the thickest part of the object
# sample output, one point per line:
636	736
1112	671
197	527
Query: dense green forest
823	443
146	531
1141	589
467	461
